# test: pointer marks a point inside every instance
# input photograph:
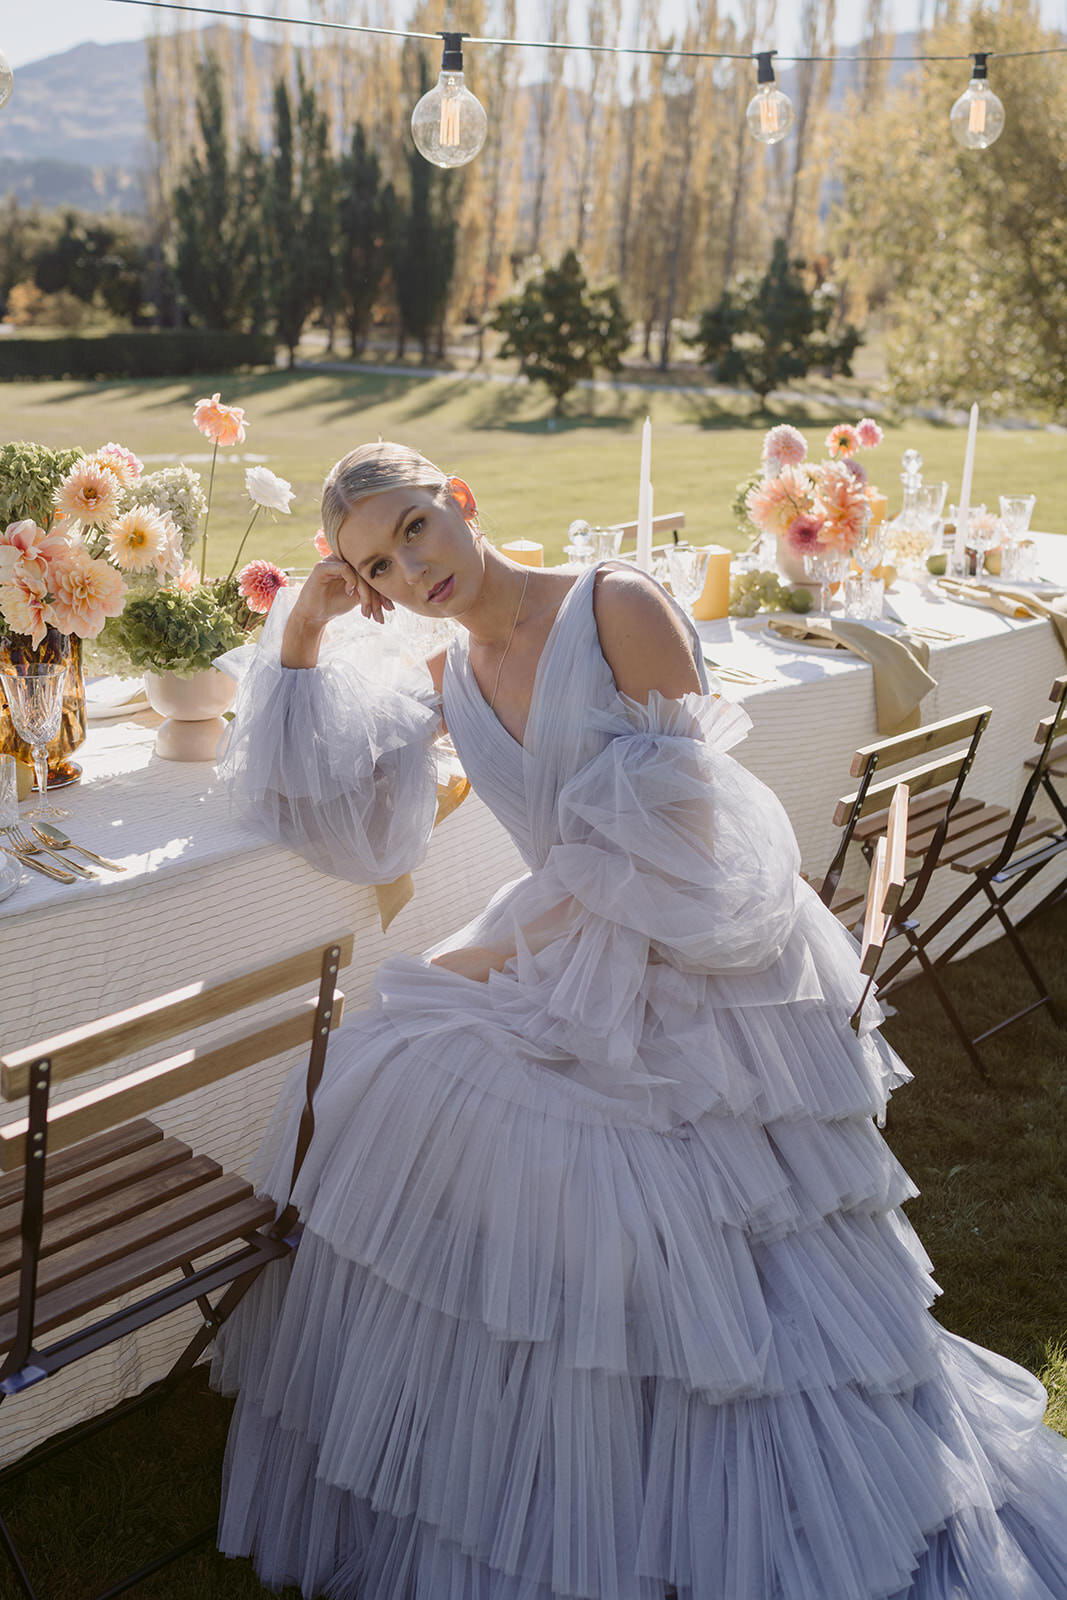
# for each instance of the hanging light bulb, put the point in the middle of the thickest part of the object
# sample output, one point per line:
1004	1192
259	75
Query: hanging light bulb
977	118
770	113
449	125
7	80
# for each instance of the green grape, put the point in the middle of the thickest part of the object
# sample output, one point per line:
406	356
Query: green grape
799	600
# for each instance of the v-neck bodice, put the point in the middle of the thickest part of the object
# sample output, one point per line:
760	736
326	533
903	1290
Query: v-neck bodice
521	782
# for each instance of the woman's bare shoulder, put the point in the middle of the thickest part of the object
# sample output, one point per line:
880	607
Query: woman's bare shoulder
644	641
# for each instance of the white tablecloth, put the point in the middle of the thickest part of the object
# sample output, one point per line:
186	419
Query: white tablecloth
202	896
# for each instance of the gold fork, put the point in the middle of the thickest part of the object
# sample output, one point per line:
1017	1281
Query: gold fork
25	846
38	866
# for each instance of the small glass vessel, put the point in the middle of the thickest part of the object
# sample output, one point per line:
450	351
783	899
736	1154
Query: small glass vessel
908	534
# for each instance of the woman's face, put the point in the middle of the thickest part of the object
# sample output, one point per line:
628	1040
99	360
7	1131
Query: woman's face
414	547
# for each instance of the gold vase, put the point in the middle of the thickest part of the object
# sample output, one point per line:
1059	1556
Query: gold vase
17	649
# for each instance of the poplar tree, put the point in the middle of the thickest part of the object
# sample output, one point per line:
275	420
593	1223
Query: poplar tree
206	219
422	248
365	208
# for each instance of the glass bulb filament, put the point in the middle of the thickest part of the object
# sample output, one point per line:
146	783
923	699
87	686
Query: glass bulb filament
769	116
449	122
976	119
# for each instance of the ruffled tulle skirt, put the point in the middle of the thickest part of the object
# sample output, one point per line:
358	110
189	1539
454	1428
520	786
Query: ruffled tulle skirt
552	1332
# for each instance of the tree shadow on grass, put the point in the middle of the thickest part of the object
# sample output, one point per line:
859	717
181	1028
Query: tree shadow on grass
353	391
507	409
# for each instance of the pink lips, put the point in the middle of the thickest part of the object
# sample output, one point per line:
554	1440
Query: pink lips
441	591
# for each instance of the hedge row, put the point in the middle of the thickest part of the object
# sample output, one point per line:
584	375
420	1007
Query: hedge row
146	353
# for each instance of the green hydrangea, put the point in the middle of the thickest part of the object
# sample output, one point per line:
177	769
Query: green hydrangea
175	631
30	474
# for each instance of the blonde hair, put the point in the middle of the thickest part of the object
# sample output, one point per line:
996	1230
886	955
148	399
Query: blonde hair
373	469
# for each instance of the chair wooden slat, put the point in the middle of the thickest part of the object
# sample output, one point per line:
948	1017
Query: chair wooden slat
119	1276
126	1237
875	920
919	779
1059	688
905	746
140	1027
977	819
136	1092
931	805
896	837
102	1213
1057	758
1047	725
983	855
669	522
67	1164
98	1181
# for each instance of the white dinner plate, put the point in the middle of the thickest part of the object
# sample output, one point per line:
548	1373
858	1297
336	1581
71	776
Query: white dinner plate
114	697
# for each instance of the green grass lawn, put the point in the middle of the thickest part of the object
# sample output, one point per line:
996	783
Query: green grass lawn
532	473
992	1214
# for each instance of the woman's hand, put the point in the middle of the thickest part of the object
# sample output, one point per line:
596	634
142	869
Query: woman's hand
332	589
475	961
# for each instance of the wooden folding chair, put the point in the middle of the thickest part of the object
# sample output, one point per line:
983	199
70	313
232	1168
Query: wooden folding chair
91	1212
1010	856
939	819
885	886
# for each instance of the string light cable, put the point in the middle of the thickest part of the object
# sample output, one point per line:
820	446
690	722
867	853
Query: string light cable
449	125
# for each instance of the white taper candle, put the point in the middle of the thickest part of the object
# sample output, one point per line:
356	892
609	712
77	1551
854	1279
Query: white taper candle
644	501
963	510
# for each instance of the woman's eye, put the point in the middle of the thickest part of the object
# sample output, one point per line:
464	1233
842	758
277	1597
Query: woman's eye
378	568
413	529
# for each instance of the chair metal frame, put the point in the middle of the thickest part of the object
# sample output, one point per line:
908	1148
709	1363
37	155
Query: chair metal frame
870	795
268	1239
1006	876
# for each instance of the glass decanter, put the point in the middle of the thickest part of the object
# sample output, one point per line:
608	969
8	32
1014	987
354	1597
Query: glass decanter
908	535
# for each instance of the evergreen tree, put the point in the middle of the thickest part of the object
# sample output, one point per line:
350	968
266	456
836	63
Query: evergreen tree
765	331
286	297
561	330
422	248
207	222
319	207
364	229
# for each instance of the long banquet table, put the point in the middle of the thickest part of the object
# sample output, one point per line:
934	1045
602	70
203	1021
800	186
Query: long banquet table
202	895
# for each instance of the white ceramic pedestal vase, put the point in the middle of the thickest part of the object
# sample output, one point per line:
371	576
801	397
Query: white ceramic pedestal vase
193	708
790	564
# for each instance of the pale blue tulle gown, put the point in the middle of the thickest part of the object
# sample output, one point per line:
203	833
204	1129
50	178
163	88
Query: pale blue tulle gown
603	1283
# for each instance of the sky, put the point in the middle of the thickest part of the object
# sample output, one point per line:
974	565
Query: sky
46	27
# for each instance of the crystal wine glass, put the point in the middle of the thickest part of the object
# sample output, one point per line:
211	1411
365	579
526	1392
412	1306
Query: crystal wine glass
688	569
34	694
868	553
1015	513
828	567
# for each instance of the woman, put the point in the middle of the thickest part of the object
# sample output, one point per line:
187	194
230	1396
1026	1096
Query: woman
603	1289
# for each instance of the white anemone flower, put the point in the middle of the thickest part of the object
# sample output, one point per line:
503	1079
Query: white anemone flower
266	489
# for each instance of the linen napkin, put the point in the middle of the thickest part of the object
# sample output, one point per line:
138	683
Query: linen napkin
393	897
898	661
1013	602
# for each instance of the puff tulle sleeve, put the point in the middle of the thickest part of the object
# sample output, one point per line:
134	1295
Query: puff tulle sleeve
335	761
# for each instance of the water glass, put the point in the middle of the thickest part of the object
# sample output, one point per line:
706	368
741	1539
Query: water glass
828	567
688	569
1015	513
864	597
34	694
607	542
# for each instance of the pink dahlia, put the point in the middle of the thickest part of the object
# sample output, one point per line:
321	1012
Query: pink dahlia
259	582
87	591
25	604
868	433
842	440
225	424
322	545
784	446
25	548
122	462
842	502
858	472
90	493
188	578
802	534
776	502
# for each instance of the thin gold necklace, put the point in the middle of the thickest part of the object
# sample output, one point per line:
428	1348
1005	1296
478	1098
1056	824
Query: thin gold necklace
511	635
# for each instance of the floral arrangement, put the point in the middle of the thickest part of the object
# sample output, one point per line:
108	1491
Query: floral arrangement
95	546
812	506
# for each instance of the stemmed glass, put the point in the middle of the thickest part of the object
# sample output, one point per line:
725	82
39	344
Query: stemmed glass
1015	513
868	553
34	694
827	566
688	569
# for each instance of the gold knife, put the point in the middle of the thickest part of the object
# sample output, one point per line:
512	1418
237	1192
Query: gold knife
56	873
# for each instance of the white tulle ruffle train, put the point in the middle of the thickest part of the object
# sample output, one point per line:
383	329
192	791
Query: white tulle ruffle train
603	1284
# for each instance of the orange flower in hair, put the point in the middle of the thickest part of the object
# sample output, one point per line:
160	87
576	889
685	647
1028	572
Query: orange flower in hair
463	497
